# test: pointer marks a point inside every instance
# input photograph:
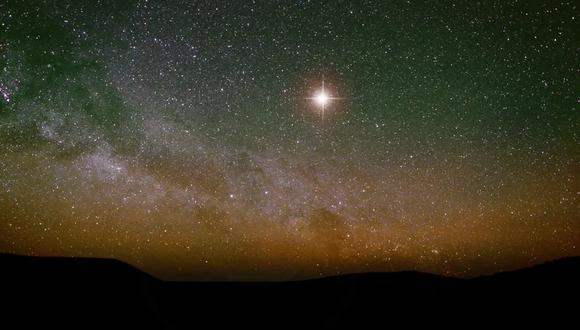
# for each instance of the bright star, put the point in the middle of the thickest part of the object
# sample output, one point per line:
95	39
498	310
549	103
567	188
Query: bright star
322	98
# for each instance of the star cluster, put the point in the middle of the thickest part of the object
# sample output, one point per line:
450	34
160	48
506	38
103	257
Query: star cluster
179	136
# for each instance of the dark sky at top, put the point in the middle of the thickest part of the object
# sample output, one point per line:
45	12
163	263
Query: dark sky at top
180	135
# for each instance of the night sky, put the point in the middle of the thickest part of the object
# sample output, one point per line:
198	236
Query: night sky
190	138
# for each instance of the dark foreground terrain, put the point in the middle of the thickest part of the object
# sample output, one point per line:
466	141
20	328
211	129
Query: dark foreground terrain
81	293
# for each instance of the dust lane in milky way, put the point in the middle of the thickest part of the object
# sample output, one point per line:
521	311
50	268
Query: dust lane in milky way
188	138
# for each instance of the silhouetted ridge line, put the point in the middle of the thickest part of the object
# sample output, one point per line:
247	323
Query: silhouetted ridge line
105	293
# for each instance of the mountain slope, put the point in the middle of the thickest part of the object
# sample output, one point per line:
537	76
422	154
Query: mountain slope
101	293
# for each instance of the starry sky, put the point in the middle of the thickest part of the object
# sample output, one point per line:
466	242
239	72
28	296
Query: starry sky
183	137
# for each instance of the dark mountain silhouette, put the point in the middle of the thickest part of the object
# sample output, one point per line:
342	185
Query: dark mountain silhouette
99	293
